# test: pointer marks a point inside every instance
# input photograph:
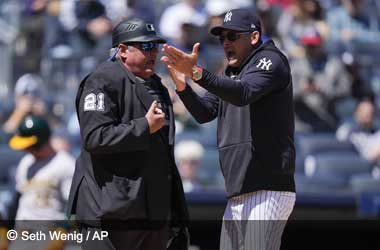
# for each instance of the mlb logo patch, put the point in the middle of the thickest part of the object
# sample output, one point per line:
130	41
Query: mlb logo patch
150	27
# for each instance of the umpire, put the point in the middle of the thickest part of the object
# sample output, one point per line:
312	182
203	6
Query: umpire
126	180
253	102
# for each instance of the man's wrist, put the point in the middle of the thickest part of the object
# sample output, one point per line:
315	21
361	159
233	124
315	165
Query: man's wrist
181	88
197	73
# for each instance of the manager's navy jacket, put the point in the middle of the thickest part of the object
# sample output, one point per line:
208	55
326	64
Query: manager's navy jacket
123	172
254	107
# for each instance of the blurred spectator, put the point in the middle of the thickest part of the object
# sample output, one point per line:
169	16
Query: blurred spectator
303	17
28	96
361	88
183	120
282	3
269	20
362	136
29	43
319	80
368	146
54	33
43	180
364	122
183	12
60	141
141	8
89	28
188	155
216	8
354	25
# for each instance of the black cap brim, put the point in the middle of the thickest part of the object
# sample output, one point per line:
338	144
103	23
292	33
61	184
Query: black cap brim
217	30
147	38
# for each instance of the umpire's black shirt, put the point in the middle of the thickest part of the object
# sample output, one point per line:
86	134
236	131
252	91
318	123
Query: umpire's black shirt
123	173
254	106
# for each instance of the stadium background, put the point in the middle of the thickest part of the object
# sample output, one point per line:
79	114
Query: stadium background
48	46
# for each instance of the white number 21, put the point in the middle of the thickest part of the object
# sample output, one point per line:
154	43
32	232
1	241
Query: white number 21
94	102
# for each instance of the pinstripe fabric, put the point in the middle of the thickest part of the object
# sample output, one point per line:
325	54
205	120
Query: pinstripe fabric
255	221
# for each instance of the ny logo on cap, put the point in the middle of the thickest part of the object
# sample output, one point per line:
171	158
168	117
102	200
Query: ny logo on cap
150	27
227	17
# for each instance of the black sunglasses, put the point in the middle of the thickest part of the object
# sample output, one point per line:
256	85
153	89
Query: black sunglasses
145	46
232	36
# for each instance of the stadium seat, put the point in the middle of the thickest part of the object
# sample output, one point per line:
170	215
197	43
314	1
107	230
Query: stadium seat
342	164
364	183
368	204
308	144
320	184
345	107
321	142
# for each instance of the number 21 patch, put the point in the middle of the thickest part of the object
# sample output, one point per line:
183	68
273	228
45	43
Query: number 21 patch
94	102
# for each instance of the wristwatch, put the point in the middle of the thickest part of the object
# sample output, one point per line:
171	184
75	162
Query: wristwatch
197	73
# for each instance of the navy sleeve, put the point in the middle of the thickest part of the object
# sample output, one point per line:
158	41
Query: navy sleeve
101	129
268	73
203	109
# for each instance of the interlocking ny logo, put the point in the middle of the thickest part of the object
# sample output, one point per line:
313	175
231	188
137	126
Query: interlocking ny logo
264	64
227	17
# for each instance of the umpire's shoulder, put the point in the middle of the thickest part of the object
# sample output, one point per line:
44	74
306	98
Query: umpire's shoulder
108	74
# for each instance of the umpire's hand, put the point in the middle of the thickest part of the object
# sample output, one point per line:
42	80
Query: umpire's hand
155	117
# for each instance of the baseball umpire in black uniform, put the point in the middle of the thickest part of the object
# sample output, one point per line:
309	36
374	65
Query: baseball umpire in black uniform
253	102
126	176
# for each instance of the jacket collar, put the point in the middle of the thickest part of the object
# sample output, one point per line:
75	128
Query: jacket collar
143	95
146	99
261	46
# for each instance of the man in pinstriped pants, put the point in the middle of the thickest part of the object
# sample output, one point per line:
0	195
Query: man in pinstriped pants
256	220
253	102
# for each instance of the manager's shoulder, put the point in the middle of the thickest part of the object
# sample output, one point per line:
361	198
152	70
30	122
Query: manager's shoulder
270	57
270	50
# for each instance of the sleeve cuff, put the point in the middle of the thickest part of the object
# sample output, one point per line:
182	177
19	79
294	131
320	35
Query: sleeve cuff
187	91
205	75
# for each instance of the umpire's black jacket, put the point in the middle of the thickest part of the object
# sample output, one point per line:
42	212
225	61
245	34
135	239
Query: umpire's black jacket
123	172
254	106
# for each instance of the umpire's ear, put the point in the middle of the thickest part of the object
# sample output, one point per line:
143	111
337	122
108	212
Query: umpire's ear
123	51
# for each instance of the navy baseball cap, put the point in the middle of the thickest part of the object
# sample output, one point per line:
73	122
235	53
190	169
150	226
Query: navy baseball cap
134	30
238	20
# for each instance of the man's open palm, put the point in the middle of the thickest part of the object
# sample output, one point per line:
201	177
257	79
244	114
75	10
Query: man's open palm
179	60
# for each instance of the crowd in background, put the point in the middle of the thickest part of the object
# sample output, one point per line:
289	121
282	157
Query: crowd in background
48	46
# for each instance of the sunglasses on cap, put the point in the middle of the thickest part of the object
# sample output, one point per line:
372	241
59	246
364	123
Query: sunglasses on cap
145	46
232	36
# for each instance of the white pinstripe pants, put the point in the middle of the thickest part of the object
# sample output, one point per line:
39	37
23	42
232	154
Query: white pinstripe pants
256	221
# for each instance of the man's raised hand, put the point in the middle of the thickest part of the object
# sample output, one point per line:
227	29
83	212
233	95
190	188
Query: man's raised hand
179	60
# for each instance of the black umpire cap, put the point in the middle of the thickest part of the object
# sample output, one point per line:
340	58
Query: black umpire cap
238	20
134	30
